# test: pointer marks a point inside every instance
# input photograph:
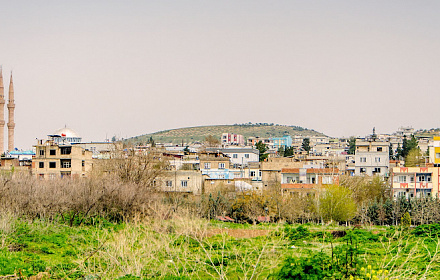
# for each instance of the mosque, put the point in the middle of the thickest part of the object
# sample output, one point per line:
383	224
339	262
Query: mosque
11	109
66	135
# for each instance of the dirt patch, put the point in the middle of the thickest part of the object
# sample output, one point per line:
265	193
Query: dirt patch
238	233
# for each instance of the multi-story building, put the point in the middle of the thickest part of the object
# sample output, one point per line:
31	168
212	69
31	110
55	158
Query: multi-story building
278	142
215	167
434	151
232	139
239	156
60	160
252	141
411	182
307	179
182	181
372	158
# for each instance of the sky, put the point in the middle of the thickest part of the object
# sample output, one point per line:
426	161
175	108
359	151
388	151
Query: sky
127	68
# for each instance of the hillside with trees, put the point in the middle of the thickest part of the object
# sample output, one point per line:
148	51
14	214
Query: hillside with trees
198	133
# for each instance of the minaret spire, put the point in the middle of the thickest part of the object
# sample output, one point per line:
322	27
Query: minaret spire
11	109
2	113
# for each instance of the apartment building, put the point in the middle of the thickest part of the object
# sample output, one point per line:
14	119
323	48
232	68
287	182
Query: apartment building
307	179
434	151
57	159
372	158
182	181
239	156
232	139
278	142
411	182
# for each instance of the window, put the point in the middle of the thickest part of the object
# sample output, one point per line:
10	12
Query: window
221	165
377	159
411	179
41	152
363	170
184	183
234	156
402	179
252	173
379	149
363	159
437	155
424	178
83	163
66	163
169	183
207	165
376	170
52	164
53	152
41	164
327	179
221	176
246	155
66	150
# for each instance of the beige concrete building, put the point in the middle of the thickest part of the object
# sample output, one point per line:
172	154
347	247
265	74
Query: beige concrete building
60	160
412	182
182	181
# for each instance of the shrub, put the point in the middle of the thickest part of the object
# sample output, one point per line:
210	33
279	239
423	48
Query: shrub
406	220
300	232
317	266
432	230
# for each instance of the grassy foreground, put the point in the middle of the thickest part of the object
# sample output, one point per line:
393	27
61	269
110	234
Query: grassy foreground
192	248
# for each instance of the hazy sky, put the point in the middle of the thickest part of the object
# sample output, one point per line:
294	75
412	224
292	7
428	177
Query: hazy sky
132	67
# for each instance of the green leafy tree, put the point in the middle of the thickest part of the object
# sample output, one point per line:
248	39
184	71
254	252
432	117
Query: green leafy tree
406	220
337	204
288	152
414	158
186	150
352	145
399	152
413	143
281	151
405	149
306	145
391	152
151	141
262	148
408	145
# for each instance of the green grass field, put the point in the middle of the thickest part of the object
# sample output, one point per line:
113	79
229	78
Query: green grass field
184	248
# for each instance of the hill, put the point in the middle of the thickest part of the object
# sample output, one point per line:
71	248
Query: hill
198	133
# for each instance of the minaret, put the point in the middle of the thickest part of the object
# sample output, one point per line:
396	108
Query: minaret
11	109
2	113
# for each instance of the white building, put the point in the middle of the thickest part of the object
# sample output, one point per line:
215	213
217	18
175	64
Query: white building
372	158
240	156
